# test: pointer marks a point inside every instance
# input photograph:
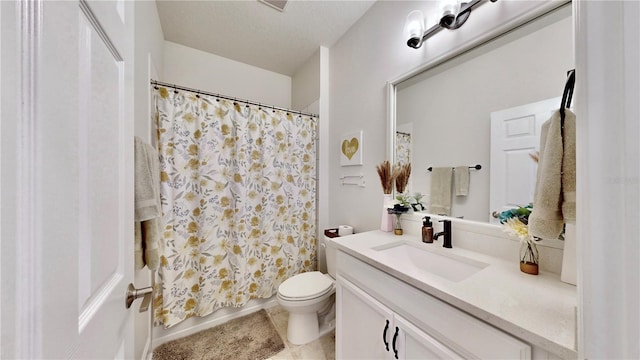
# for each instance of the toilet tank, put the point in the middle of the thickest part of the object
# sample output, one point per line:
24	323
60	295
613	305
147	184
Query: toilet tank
330	254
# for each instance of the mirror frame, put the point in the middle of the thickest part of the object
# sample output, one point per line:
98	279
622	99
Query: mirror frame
479	40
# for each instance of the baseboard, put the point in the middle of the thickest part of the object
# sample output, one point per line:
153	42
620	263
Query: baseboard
147	354
219	317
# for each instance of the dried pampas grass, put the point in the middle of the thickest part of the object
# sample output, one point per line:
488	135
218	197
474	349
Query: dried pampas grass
401	175
386	177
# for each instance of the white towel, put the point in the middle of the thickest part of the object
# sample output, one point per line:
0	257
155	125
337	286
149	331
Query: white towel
147	181
147	252
555	191
147	205
569	169
461	177
441	190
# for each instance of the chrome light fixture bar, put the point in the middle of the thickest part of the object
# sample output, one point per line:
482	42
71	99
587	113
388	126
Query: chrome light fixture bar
454	14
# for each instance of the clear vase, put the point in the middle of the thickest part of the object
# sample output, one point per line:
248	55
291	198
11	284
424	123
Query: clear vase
386	222
397	229
529	257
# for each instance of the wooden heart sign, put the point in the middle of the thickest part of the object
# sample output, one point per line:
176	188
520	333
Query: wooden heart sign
350	147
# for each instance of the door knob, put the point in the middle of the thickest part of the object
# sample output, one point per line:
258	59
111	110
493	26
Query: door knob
133	293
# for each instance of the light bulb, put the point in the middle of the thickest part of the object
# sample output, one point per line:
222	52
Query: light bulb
449	10
414	29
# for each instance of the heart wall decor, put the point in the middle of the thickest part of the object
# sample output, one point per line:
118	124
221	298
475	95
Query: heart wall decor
351	149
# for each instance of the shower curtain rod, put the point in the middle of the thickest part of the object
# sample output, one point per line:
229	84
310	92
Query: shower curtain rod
184	88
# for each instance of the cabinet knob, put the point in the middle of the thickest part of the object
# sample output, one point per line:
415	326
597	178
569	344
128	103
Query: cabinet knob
384	335
395	337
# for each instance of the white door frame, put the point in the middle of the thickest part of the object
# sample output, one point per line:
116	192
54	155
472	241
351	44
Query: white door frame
608	177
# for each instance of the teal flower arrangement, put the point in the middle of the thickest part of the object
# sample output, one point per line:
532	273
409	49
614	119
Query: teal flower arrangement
515	222
519	213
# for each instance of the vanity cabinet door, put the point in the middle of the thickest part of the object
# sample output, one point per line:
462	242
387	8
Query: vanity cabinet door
413	343
367	329
364	327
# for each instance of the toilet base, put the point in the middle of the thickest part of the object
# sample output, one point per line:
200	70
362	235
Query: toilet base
305	327
302	328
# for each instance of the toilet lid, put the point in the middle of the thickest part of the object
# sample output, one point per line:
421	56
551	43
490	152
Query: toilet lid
305	286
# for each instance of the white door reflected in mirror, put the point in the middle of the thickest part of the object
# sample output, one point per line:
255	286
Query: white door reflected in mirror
515	135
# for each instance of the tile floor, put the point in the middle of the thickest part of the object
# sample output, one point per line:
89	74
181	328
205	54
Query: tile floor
321	349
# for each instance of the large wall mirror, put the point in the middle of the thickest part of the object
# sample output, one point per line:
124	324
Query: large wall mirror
443	115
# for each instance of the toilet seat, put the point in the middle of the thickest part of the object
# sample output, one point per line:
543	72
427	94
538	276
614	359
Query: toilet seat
305	286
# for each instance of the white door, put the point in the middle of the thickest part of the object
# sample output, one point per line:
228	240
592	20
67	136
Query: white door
515	133
364	327
69	175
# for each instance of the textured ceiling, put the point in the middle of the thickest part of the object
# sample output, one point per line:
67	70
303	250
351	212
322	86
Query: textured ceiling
253	33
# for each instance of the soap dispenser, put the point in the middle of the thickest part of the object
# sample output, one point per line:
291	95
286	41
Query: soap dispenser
427	230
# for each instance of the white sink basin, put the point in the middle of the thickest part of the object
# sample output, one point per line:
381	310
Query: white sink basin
413	258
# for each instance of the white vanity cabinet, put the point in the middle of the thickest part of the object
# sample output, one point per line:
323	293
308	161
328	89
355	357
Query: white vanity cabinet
366	329
362	324
420	326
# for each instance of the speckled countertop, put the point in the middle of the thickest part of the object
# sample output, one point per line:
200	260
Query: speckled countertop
540	310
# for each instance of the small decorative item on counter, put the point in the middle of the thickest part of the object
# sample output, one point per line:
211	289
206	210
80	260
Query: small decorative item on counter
528	257
386	176
331	233
427	230
515	222
386	221
386	180
401	173
397	210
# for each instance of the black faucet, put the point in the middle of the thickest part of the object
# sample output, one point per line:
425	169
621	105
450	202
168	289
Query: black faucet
446	233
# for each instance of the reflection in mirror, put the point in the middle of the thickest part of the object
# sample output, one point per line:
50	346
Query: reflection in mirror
443	115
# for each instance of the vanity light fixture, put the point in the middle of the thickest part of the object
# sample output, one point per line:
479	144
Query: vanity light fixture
454	13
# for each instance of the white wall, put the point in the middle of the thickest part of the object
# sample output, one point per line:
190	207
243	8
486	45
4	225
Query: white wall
149	61
310	93
450	106
208	72
369	55
8	183
305	84
149	58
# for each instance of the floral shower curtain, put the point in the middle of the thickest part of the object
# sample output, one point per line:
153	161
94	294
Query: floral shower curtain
238	186
403	148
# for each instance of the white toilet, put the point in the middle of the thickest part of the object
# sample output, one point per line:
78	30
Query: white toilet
309	299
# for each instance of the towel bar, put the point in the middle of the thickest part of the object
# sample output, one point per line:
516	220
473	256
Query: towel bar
477	167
